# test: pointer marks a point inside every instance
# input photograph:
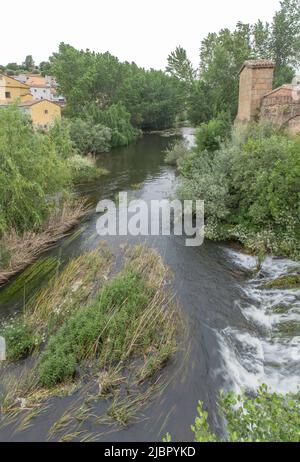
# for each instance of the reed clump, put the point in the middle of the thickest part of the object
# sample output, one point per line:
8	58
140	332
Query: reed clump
113	333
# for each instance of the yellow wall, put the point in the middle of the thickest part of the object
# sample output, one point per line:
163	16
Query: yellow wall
17	90
42	119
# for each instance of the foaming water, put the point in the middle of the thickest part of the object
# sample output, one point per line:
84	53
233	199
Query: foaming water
269	350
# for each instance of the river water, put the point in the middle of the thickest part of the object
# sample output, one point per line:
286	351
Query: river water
239	333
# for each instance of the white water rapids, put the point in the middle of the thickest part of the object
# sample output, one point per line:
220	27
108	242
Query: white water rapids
269	351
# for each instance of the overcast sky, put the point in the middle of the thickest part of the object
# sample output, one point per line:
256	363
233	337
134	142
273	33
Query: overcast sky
134	30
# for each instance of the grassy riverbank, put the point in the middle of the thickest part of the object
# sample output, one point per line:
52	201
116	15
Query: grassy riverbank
114	332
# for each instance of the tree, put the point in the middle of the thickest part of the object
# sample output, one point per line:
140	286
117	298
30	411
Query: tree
180	66
94	82
222	55
29	63
285	40
45	68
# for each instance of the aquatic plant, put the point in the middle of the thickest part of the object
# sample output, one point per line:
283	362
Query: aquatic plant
178	150
113	336
84	169
124	319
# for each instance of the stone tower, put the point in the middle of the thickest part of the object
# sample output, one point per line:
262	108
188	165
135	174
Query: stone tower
256	80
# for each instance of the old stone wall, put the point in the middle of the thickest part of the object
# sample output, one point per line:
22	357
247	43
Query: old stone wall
293	126
281	105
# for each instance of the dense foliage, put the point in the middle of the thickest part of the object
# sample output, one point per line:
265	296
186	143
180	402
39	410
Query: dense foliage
266	417
250	185
32	172
117	118
84	169
88	137
116	93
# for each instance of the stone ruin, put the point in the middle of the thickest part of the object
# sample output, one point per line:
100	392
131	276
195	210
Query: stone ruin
258	100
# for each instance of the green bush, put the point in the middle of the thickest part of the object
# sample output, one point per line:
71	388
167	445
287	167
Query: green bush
20	340
176	152
89	137
266	417
117	118
59	135
251	188
210	135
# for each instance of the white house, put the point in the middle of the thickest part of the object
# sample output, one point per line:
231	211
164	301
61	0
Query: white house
41	92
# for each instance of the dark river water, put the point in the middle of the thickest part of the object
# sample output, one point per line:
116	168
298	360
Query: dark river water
228	316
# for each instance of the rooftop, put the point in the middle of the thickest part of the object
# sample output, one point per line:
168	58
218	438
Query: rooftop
258	64
36	101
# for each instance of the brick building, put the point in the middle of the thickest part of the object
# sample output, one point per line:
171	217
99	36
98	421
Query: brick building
258	100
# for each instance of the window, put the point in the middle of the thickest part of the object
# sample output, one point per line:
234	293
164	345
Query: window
46	111
7	94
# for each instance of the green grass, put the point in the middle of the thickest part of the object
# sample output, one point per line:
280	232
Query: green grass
53	305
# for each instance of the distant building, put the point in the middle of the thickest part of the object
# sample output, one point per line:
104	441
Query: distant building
42	111
41	87
12	90
258	100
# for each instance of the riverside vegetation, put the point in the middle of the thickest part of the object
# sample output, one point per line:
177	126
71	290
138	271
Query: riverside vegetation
267	417
117	331
38	171
249	178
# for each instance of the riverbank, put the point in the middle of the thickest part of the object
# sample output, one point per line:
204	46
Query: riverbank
248	177
19	251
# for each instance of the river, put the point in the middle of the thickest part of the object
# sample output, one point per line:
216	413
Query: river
233	322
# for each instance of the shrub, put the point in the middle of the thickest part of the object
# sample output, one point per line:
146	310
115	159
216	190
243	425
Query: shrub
89	137
20	340
264	418
59	135
250	186
210	135
84	169
117	119
176	152
103	327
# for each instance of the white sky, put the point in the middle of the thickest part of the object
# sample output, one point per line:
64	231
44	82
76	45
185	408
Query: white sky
134	30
